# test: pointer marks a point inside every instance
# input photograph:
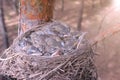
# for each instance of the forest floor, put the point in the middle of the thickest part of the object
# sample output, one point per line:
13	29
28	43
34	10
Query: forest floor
104	14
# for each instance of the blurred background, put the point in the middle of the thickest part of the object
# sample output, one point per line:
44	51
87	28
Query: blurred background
91	16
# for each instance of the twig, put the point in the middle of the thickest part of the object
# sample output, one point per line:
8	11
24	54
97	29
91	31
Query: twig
52	71
1	59
106	34
80	39
103	19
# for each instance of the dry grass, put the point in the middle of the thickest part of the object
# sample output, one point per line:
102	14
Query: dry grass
77	65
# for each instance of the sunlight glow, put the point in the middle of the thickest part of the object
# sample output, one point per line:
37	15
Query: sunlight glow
77	2
116	4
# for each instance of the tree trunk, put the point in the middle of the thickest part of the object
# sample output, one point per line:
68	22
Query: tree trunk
3	26
80	18
34	12
15	5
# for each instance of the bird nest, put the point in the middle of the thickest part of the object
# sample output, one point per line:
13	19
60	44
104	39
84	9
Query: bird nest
49	52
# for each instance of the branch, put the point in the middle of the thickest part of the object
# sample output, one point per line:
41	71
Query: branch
101	36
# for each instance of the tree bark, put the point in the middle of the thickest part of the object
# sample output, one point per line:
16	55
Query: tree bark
15	6
3	26
34	12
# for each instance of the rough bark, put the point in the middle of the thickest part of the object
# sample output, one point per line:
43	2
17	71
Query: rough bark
34	12
3	26
15	6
